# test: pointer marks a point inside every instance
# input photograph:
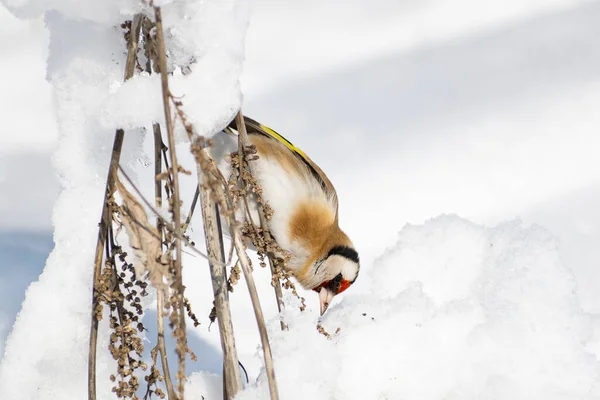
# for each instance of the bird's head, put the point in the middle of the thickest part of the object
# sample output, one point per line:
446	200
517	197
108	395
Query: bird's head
335	272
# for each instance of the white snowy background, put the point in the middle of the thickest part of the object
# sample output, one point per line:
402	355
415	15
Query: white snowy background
485	112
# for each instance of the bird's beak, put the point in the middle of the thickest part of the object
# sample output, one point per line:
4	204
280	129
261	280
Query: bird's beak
325	296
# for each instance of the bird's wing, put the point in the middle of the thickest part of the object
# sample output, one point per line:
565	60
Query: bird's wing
256	128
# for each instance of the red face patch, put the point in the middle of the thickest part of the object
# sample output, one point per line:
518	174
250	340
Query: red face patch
344	284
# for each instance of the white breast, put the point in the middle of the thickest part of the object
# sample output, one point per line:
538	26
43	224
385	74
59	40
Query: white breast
283	191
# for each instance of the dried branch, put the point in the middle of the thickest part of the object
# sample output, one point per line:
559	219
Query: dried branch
166	224
272	265
212	190
160	298
179	319
105	220
245	262
188	220
144	239
244	143
210	218
211	194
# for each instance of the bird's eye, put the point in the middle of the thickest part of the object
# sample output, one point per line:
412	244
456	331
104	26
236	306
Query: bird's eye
335	284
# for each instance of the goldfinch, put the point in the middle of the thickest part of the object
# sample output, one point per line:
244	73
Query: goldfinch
305	210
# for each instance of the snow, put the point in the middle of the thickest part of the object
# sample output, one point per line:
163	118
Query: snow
26	141
414	109
491	125
454	310
85	65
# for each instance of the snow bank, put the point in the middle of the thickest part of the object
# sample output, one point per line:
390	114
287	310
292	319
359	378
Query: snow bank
453	311
46	353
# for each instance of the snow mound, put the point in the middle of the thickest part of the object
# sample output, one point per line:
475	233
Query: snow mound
46	354
453	311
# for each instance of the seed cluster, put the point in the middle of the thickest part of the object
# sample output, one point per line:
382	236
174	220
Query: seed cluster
121	293
244	187
323	332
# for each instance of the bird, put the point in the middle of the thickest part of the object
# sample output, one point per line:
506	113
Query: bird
304	202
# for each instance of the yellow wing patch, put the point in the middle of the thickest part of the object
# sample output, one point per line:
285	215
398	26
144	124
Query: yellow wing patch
283	140
253	126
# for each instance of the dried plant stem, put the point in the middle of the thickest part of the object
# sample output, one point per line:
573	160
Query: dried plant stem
160	301
176	205
244	142
232	380
165	223
260	319
274	273
188	220
160	306
100	243
158	144
106	212
245	262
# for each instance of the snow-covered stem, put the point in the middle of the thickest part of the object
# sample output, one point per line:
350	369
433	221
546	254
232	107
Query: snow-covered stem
245	262
160	299
105	219
99	257
176	206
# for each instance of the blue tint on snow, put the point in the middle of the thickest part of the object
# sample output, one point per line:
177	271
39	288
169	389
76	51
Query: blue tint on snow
22	259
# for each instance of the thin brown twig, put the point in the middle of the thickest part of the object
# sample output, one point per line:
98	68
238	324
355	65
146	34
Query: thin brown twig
232	382
160	301
188	220
169	179
176	206
106	216
274	274
245	262
213	194
213	191
165	223
244	142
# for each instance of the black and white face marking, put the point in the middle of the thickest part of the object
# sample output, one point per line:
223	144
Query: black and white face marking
344	251
348	253
339	273
342	261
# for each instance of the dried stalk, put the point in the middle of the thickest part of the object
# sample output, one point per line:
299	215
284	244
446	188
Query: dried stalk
232	381
260	319
169	227
176	206
221	294
274	274
105	220
188	220
209	199
244	142
160	301
245	262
